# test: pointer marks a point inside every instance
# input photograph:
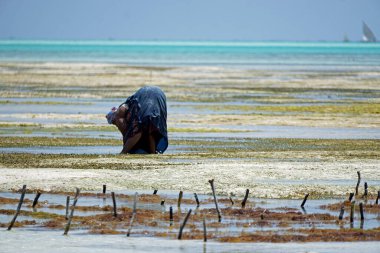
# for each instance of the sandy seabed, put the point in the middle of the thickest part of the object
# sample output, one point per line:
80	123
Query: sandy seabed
202	97
264	179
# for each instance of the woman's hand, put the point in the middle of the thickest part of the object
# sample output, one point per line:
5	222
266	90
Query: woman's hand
129	143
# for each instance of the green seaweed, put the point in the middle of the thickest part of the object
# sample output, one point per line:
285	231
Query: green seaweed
10	141
259	149
43	103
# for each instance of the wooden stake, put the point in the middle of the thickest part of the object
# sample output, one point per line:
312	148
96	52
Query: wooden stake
155	192
215	200
350	197
171	216
377	198
352	212
133	215
358	183
262	214
196	199
114	204
232	201
67	207
245	198
361	211
341	212
104	189
204	230
162	202
304	200
183	225
35	201
180	199
365	190
23	191
67	228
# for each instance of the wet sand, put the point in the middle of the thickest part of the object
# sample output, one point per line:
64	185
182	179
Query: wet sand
65	99
281	134
264	179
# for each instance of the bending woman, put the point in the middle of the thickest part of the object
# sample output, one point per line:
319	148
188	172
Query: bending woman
141	119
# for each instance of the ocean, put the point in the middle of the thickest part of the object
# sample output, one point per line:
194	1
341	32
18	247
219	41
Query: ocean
319	56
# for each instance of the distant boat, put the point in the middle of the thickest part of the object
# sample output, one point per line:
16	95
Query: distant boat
368	35
345	38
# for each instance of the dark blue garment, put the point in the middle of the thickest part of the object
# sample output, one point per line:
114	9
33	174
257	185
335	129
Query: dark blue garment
147	113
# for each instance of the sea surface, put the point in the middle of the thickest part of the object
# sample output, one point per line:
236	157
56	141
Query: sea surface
319	56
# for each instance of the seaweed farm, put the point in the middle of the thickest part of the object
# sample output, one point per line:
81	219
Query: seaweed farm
268	140
163	215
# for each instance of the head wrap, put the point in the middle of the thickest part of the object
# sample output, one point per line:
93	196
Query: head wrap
111	115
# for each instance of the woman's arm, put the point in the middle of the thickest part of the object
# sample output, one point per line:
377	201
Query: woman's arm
130	143
120	121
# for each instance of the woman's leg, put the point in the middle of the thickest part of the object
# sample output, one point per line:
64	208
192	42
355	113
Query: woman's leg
151	144
130	143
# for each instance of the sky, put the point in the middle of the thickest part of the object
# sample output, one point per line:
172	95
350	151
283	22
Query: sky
227	20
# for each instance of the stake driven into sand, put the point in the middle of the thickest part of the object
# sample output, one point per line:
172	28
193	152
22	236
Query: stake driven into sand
114	204
35	201
204	230
304	200
196	199
133	215
18	207
171	216
361	211
215	200
245	198
67	228
180	195
341	212
67	207
232	201
357	184
352	213
350	197
183	225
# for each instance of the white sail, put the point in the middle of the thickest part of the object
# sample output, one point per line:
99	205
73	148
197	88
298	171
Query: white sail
368	35
345	38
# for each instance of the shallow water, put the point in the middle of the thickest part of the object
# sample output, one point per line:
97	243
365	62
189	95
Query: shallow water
278	205
258	55
24	240
97	150
291	132
91	111
316	57
79	240
246	132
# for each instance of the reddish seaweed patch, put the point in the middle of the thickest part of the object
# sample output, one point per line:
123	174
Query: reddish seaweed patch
249	224
368	207
307	235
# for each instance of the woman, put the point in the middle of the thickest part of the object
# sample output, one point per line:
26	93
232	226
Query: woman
141	119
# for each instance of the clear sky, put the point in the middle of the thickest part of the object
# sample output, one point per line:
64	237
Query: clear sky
253	20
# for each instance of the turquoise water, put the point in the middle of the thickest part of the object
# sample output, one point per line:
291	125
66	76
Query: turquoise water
255	55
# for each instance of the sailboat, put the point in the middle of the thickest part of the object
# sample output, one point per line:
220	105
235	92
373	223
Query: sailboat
368	35
345	38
